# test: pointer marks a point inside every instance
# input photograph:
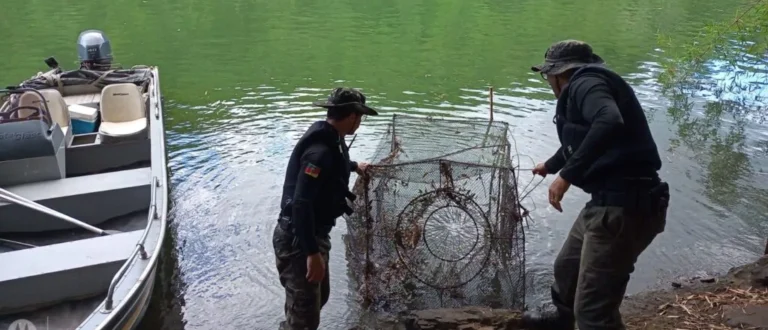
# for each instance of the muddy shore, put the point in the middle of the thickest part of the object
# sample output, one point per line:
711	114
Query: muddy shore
736	300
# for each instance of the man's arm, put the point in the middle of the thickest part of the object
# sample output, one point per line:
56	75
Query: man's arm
352	166
593	96
556	162
315	167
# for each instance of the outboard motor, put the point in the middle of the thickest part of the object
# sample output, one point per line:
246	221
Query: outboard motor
94	50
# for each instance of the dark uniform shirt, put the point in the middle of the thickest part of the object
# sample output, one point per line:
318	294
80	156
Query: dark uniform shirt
603	130
316	184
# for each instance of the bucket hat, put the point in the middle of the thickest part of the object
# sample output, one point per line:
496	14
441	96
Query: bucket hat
567	54
343	97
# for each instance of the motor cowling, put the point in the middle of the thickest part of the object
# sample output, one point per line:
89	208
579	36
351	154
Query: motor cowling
94	48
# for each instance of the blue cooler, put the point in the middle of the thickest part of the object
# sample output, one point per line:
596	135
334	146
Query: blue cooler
83	118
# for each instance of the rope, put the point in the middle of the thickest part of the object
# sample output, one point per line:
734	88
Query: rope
523	194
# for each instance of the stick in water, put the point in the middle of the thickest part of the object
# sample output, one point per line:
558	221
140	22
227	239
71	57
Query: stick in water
491	97
766	247
490	122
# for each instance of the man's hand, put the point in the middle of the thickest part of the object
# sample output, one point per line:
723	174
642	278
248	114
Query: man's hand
540	169
315	268
361	168
556	191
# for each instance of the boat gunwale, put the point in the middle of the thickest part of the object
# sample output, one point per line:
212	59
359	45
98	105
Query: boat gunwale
160	172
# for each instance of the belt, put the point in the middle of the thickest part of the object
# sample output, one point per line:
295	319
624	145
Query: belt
635	194
285	224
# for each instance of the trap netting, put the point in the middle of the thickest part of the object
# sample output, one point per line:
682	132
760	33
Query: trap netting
437	221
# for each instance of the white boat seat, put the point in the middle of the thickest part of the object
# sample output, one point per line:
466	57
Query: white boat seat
28	99
123	128
122	111
59	111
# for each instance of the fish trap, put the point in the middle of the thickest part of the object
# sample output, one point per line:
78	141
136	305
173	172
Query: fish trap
437	221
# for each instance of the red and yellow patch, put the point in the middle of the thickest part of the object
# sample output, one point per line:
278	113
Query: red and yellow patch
312	170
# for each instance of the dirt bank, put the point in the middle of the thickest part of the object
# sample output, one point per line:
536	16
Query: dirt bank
737	300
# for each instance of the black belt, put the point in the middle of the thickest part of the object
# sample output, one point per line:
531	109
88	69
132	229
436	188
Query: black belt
638	193
285	224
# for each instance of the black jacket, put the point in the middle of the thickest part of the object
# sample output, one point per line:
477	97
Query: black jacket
316	184
603	131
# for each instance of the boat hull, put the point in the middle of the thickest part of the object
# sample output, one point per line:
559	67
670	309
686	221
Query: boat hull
135	310
77	219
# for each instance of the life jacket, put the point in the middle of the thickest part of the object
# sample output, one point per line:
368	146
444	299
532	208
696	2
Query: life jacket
632	151
331	200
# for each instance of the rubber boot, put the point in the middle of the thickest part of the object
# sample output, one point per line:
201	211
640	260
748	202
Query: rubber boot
547	321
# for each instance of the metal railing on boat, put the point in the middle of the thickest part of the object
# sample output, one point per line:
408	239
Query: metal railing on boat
138	250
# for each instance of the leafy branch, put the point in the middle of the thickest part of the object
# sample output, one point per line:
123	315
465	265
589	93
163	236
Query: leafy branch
736	46
723	67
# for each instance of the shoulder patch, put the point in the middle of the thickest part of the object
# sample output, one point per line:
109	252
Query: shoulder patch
312	170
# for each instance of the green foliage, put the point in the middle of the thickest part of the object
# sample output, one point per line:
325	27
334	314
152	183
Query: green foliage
740	43
721	73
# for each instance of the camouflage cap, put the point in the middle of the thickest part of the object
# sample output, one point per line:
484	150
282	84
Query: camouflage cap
346	97
567	54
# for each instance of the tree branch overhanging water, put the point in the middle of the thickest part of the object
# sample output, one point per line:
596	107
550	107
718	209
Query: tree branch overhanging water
716	84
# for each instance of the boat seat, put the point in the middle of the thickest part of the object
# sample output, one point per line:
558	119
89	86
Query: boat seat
56	106
59	111
28	99
122	111
55	273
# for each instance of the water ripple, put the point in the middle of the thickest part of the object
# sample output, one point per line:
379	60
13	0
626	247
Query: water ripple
239	78
228	176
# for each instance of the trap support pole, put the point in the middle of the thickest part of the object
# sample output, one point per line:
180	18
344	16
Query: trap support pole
490	96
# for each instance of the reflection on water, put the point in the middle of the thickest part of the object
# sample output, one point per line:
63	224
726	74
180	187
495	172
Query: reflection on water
227	185
239	77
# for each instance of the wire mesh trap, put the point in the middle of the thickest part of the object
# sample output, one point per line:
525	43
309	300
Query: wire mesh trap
437	219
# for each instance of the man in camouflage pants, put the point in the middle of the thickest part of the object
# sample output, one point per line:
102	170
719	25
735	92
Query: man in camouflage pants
315	193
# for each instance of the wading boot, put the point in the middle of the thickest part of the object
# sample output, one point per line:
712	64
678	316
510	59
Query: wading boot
547	321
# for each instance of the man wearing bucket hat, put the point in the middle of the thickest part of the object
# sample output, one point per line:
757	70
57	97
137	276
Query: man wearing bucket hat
608	151
315	193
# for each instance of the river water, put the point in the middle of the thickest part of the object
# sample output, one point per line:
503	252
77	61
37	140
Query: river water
239	77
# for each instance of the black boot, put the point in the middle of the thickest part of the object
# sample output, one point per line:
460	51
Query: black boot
547	321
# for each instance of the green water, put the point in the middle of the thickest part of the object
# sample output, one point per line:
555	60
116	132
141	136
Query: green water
239	76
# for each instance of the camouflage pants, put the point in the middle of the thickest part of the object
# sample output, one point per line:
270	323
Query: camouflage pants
594	265
303	300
